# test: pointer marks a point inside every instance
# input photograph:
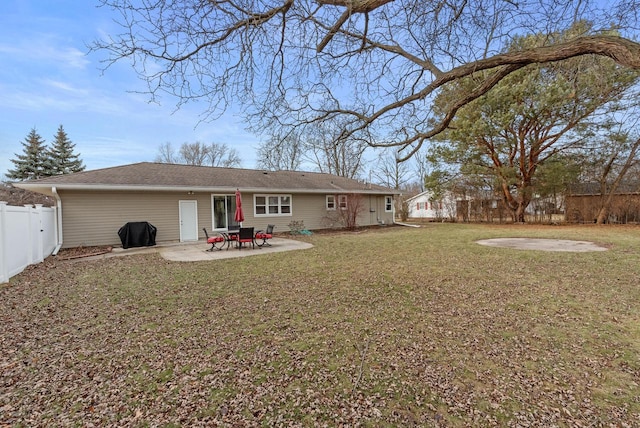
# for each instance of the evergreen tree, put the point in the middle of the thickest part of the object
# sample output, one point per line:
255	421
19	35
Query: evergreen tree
30	164
530	117
61	158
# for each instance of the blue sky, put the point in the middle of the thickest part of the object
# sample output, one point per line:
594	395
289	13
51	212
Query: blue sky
48	78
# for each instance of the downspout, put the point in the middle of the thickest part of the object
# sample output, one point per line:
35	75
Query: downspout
371	212
58	220
393	207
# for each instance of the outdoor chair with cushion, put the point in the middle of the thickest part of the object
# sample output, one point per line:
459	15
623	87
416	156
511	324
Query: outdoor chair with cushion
245	236
214	240
262	236
231	236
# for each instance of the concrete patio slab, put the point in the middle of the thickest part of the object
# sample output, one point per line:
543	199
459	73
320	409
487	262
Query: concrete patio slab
197	251
543	244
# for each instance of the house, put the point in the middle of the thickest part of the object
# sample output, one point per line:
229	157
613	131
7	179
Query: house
425	206
180	200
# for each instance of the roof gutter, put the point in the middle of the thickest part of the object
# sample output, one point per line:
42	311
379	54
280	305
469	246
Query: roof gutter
54	191
183	188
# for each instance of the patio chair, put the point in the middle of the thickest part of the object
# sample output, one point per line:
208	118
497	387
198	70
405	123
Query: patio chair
231	236
264	235
245	236
214	240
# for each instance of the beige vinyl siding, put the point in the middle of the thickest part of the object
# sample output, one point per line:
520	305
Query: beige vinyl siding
374	207
300	205
308	208
373	212
94	218
312	209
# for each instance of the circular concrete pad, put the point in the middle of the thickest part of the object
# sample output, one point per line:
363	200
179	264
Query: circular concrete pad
543	244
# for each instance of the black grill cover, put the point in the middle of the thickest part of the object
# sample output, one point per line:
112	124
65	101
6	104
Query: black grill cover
137	234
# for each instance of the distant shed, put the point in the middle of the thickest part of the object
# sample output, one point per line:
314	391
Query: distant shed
583	202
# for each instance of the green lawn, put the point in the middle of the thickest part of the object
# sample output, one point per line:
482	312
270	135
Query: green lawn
391	327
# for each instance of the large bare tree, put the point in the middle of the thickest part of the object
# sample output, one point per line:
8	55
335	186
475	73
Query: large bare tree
611	159
321	145
623	157
333	151
376	63
199	154
391	173
281	153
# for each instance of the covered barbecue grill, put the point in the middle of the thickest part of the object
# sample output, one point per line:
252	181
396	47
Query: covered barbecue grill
137	234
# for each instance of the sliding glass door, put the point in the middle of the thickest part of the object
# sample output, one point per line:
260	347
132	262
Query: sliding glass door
224	209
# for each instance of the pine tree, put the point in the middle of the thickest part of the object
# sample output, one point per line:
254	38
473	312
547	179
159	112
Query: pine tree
61	159
32	163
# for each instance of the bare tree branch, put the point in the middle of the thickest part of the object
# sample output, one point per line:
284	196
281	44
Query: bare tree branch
376	63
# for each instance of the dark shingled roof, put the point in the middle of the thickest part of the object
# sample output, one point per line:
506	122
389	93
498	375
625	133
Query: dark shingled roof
593	189
160	176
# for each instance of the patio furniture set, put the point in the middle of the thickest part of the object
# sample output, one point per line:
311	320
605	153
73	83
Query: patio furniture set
239	237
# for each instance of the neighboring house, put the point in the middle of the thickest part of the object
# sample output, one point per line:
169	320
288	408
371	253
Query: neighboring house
180	200
425	206
583	202
549	208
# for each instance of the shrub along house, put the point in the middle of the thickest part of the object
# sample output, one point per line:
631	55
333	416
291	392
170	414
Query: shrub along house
180	200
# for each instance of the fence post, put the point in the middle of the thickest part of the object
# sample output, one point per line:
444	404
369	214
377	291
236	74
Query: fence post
4	270
40	235
29	238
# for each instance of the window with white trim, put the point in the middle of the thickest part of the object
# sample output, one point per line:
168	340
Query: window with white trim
272	205
342	202
331	202
388	204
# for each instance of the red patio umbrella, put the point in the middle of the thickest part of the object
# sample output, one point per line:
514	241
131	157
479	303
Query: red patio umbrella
239	217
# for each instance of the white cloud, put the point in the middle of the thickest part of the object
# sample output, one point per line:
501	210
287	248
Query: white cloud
47	80
43	49
65	86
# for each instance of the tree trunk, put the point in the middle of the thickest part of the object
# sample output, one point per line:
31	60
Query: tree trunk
602	216
603	212
519	213
606	204
516	205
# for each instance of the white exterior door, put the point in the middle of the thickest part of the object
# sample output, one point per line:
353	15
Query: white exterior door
188	221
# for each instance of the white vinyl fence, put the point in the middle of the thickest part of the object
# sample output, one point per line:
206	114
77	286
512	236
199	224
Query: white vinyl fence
27	236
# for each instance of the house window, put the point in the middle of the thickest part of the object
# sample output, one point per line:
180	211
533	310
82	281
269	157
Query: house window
342	202
388	204
331	202
272	205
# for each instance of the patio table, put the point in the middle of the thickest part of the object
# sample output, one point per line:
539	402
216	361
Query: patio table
231	235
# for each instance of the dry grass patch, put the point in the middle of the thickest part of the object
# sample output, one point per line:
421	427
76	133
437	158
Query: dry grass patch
381	328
